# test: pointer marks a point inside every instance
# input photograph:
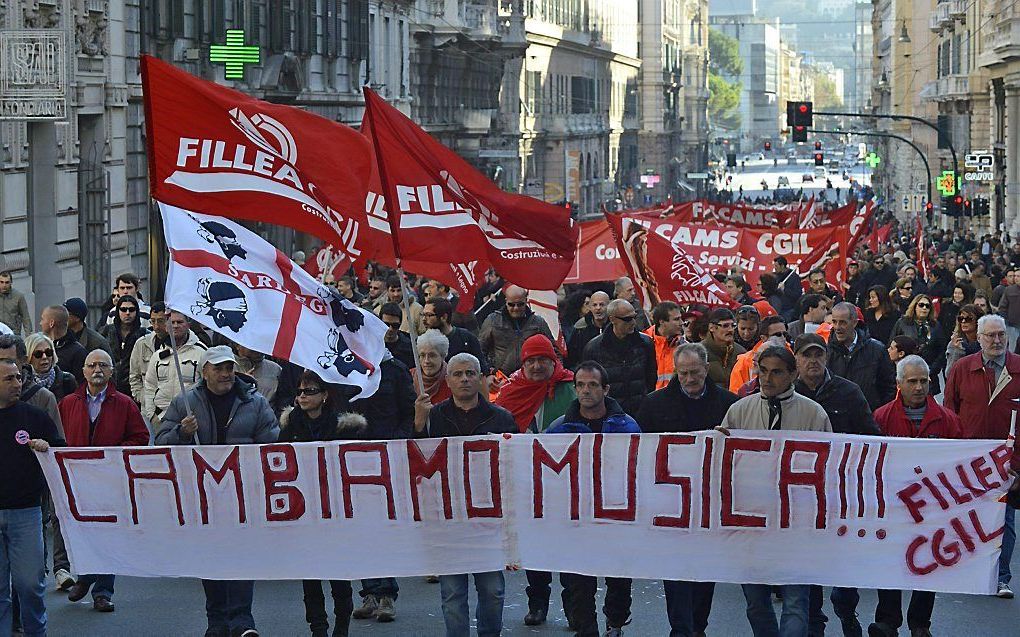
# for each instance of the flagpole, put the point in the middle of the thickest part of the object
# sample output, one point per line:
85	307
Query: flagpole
177	364
393	217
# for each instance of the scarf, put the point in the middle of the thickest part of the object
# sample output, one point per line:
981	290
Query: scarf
775	408
522	397
47	380
435	386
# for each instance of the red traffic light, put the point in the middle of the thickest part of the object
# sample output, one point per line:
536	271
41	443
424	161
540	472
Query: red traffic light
802	108
958	199
768	145
929	206
818	145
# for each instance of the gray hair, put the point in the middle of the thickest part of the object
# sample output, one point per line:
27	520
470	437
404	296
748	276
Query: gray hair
464	357
615	305
436	340
910	361
622	282
849	308
691	349
32	341
990	318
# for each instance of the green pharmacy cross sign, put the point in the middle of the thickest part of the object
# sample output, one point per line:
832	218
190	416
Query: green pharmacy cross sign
873	160
234	54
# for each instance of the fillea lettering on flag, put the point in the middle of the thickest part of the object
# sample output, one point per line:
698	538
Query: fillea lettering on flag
217	151
445	211
237	284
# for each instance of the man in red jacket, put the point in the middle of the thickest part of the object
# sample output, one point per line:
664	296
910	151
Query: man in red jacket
980	390
97	415
912	414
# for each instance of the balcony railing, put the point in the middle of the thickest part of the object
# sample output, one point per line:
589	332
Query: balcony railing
953	87
958	8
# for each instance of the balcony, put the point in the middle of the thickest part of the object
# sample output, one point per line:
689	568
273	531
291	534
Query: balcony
481	20
957	9
1006	39
940	17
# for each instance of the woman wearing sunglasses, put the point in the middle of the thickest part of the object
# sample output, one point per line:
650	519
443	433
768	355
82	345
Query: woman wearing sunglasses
315	418
43	359
964	341
919	323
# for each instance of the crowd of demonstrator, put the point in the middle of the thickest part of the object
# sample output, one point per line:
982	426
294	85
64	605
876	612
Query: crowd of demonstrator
871	355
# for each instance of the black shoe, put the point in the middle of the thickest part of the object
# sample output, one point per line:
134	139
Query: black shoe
244	632
320	632
78	591
536	617
881	630
103	604
219	631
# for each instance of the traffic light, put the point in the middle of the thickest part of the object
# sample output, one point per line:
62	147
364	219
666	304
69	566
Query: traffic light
929	212
799	117
818	145
968	208
768	146
731	160
952	206
819	159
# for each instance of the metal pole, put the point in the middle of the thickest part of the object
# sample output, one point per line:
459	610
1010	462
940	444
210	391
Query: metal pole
924	159
412	328
177	363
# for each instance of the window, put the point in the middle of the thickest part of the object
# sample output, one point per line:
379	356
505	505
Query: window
582	94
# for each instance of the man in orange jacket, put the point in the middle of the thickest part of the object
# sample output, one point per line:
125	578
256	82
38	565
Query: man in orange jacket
667	332
772	331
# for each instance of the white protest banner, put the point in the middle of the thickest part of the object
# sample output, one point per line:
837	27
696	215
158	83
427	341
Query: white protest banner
752	507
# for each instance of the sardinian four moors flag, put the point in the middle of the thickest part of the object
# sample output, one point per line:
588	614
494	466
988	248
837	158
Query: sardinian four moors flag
662	270
446	211
237	284
220	152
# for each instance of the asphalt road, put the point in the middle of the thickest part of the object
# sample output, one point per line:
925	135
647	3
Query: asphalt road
751	175
175	608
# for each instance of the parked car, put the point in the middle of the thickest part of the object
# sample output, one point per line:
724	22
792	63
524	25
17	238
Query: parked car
783	181
806	177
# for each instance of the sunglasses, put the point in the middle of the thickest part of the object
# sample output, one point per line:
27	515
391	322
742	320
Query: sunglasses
42	353
964	319
924	305
128	308
309	391
521	304
396	326
626	319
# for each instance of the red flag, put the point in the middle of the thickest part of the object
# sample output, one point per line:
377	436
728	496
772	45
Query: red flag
215	150
448	211
922	254
662	270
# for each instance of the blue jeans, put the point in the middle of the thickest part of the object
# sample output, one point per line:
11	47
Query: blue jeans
228	603
688	605
23	564
489	613
1008	542
380	587
762	618
102	585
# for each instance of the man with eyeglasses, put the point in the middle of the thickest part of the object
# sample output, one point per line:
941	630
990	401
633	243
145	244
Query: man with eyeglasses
128	284
23	430
722	350
144	347
438	314
121	337
818	285
771	331
376	294
397	341
627	355
880	273
97	415
504	331
980	390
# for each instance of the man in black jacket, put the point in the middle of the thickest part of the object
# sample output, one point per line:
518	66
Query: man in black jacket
465	413
690	402
438	314
627	355
587	327
398	342
849	413
53	322
860	359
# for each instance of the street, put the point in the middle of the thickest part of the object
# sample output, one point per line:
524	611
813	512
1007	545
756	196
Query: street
172	608
755	170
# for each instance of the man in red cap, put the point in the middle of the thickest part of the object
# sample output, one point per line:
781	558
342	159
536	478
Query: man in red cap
537	394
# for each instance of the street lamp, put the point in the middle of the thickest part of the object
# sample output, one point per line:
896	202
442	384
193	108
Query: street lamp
904	36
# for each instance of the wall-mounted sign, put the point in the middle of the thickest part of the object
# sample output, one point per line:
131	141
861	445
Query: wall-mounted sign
946	183
33	74
234	54
981	166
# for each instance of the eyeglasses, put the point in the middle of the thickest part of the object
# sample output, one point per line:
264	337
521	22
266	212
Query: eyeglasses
519	304
98	364
626	319
395	326
309	391
924	305
42	353
726	326
995	336
128	309
907	287
428	314
964	319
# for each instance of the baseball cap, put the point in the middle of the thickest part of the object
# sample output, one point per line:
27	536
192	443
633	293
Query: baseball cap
216	355
77	307
807	341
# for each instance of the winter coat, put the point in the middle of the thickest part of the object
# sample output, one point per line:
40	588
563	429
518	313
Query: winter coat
670	410
120	349
938	422
139	363
251	418
954	354
71	356
616	421
880	329
34	393
799	413
584	330
91	340
401	349
14	312
1009	305
868	366
721	360
845	404
266	374
932	347
984	412
63	384
501	338
390	410
462	340
119	422
161	384
295	426
485	418
630	364
663	356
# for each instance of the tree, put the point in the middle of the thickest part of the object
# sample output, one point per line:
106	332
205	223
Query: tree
723	95
825	93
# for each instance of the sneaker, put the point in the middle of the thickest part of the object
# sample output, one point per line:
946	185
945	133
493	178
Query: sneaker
64	579
103	604
386	612
1004	591
881	630
431	579
851	627
78	591
369	607
217	631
